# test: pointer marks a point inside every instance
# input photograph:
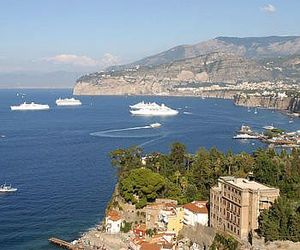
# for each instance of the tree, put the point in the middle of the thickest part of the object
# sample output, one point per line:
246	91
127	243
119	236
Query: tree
126	159
177	155
141	186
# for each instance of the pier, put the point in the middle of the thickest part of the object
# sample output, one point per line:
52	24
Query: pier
64	244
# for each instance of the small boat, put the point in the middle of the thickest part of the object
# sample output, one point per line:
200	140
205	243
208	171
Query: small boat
7	188
245	136
155	125
255	111
269	127
245	130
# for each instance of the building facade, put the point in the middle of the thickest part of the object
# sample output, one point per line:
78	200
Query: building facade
235	204
113	222
196	212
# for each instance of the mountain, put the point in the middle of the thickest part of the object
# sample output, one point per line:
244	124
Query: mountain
220	60
250	47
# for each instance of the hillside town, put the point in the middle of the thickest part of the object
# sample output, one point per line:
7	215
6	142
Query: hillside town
233	209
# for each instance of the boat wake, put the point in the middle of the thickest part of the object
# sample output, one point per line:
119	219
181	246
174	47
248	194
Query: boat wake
119	133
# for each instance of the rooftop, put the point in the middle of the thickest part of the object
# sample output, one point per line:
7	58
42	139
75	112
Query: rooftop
196	207
113	215
149	246
244	183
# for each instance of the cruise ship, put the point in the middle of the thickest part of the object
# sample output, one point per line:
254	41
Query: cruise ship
30	106
159	110
142	105
68	102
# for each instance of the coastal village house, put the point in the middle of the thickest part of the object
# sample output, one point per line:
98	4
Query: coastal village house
160	241
113	222
153	211
171	219
196	212
235	204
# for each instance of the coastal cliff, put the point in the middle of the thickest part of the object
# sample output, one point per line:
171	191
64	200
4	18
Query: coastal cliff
284	103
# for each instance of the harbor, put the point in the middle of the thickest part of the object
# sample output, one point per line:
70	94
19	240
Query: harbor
272	136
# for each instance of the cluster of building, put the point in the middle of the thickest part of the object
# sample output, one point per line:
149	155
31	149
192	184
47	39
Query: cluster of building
234	207
260	87
164	218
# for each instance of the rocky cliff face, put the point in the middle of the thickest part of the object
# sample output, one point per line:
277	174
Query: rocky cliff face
286	103
263	102
211	68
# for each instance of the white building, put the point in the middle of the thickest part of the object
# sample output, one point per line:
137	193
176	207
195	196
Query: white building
113	222
196	212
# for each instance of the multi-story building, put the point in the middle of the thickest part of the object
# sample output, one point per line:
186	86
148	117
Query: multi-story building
235	204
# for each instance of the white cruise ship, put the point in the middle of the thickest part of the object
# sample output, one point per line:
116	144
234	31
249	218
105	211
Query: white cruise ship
142	105
68	102
30	106
160	110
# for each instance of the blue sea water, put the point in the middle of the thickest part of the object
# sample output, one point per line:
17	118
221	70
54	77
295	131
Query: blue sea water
58	159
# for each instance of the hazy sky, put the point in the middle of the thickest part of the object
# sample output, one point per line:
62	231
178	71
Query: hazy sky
84	35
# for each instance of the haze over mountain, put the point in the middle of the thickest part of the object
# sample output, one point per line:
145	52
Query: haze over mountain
55	79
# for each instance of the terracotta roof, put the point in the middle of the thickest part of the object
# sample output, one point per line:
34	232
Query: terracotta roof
113	215
196	209
150	246
141	227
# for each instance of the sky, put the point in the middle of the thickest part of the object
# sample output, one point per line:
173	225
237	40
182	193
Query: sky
89	35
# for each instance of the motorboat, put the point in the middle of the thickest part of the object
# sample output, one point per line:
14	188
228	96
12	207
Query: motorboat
155	125
68	102
245	136
30	106
7	188
269	127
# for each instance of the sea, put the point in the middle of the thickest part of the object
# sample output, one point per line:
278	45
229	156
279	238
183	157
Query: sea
59	159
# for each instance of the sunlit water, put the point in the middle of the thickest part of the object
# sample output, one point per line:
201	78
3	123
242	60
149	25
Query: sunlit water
58	159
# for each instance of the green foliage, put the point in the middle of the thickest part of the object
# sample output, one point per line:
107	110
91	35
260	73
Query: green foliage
126	159
280	222
126	226
142	185
222	242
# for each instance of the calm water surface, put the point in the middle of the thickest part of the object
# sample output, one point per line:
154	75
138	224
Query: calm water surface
63	173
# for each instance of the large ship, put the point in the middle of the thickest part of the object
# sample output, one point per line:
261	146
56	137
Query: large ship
68	102
142	105
30	106
159	110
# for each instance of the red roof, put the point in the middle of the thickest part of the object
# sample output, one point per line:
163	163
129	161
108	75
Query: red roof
113	215
140	227
150	246
200	209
